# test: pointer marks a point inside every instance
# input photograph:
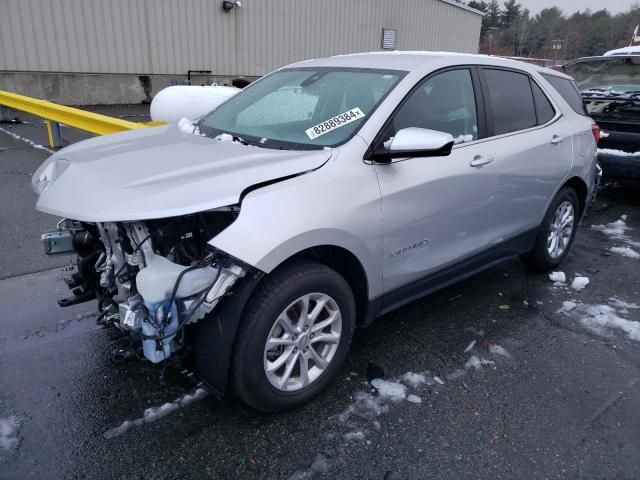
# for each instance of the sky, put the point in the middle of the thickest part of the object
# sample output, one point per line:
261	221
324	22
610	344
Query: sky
570	6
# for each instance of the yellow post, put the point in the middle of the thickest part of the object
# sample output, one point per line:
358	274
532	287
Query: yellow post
49	133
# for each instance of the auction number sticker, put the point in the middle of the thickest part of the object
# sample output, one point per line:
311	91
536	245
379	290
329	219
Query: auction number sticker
333	123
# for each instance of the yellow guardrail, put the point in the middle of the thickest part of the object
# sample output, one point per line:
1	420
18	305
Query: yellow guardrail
73	117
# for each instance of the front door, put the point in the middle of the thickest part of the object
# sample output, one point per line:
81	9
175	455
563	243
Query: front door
435	209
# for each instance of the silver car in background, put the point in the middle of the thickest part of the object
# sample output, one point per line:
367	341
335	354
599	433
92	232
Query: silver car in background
322	196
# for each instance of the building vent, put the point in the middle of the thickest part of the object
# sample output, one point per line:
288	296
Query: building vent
388	39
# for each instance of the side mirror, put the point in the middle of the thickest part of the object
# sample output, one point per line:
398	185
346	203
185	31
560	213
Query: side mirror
415	142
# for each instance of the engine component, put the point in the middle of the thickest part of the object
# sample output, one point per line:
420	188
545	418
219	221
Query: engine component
132	313
60	240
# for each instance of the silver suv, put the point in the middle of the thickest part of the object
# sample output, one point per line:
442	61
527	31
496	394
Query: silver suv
322	196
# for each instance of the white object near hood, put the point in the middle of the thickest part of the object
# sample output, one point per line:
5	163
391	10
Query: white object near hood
173	103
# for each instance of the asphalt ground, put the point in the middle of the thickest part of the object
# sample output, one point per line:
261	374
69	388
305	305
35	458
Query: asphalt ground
560	401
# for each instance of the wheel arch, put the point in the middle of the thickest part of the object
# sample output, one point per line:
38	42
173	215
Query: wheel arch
581	189
347	265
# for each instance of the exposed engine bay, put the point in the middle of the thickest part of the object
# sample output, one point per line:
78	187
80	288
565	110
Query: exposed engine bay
151	278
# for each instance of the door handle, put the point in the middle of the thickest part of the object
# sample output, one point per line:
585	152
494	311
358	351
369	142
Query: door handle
480	160
556	139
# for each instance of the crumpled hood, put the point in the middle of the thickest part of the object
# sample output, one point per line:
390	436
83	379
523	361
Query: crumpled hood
160	172
594	72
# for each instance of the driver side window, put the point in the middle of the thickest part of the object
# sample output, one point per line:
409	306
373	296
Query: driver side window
444	102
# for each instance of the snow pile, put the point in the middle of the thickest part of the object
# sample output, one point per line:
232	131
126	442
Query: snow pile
579	283
603	320
187	126
463	139
617	153
9	429
414	399
625	252
616	230
152	414
557	277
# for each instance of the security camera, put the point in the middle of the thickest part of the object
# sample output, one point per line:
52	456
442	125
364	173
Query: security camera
227	5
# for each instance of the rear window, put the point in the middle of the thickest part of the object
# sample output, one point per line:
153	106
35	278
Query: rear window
511	101
544	109
568	90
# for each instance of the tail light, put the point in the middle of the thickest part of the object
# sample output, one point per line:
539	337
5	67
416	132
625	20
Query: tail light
595	129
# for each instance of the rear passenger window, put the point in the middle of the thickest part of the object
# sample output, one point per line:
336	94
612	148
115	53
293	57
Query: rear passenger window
568	90
510	100
544	110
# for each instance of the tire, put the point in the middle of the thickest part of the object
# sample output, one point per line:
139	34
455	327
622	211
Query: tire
541	258
285	290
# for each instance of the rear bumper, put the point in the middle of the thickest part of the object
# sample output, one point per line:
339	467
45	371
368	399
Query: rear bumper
618	164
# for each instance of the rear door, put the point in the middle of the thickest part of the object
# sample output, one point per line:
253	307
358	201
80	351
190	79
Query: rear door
533	145
435	209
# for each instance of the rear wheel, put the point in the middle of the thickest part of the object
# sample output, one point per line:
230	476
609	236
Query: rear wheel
296	333
556	233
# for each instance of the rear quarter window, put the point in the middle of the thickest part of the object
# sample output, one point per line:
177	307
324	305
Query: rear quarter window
567	90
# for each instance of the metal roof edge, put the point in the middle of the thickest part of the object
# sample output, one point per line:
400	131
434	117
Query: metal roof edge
464	7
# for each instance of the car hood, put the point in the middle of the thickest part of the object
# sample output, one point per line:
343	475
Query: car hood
604	72
159	172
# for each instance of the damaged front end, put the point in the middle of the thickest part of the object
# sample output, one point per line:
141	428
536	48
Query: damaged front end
151	278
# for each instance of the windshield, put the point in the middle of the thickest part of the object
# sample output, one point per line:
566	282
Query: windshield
302	108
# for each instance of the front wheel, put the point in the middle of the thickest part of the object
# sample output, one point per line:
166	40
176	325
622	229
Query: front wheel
295	334
556	233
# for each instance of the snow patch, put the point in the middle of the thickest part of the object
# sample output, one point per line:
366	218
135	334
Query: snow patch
616	302
625	252
9	429
568	305
389	390
354	436
473	362
152	414
462	139
579	283
414	379
601	319
414	399
558	277
615	230
617	153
